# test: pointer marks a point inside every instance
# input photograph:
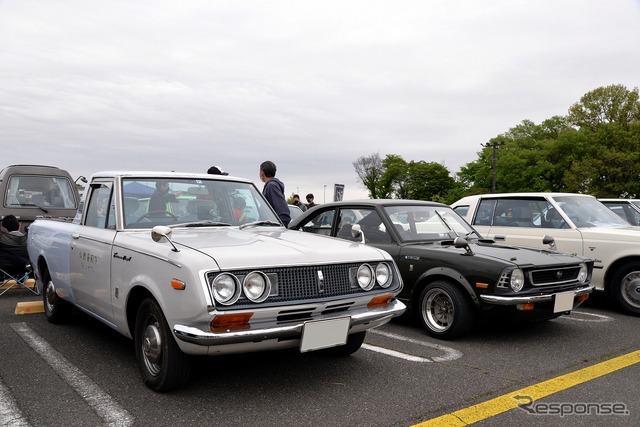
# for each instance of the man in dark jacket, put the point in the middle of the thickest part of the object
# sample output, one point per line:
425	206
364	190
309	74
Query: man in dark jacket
273	191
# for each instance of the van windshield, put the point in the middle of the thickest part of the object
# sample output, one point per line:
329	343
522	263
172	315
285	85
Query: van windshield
27	191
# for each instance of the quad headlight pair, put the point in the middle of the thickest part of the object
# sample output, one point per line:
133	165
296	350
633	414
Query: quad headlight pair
367	276
227	288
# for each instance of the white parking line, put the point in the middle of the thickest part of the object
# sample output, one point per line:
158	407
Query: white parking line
10	414
450	353
598	317
101	403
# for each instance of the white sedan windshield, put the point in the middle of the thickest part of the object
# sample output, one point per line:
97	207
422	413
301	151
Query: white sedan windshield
588	212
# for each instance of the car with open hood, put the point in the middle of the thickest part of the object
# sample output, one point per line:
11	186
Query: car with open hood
451	273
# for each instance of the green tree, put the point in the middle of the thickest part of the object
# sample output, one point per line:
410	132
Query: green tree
369	170
613	104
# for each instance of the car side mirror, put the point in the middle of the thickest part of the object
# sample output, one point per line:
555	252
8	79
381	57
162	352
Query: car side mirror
162	234
549	240
461	242
356	232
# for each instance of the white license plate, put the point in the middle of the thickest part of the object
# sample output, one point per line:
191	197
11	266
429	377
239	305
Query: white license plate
564	302
324	333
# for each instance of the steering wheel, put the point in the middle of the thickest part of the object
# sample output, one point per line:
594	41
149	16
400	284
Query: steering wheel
163	214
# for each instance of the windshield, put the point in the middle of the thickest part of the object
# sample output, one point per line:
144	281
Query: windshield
170	201
27	191
588	212
419	223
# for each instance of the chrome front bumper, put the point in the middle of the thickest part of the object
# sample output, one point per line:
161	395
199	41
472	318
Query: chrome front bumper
371	318
513	300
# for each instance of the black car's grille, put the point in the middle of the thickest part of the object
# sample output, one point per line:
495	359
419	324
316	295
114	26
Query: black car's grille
293	284
554	276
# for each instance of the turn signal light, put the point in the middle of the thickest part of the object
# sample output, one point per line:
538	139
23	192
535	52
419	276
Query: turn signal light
526	307
178	284
230	322
482	285
581	298
379	300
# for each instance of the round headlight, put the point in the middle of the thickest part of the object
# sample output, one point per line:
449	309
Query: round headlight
256	286
517	280
225	289
583	274
383	275
365	277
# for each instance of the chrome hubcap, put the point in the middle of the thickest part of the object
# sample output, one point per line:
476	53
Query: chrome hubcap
631	288
438	310
152	348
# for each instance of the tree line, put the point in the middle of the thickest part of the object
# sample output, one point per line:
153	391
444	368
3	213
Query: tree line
594	149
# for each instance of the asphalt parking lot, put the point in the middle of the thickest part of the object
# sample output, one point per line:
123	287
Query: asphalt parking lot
573	371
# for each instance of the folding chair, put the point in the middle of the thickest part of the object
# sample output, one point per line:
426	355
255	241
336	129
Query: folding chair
15	269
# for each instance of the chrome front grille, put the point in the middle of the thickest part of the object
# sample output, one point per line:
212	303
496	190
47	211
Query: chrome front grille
554	276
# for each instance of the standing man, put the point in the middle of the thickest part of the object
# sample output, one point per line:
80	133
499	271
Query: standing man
273	191
296	201
310	202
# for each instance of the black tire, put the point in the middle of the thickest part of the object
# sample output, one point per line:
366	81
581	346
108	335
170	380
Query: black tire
445	311
56	309
625	288
163	365
354	342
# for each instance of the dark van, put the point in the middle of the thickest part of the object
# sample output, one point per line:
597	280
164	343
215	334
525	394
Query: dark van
31	191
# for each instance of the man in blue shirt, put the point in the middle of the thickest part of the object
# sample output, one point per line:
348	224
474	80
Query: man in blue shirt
273	191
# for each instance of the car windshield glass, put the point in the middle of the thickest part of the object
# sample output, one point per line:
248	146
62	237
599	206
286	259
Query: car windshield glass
588	212
44	192
420	223
180	201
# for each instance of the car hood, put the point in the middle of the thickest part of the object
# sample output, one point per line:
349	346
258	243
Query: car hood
521	256
269	246
630	233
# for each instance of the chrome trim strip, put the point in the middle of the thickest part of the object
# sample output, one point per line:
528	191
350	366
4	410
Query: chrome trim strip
370	317
502	300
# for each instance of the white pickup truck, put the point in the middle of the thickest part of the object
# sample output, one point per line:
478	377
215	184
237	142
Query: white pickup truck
192	264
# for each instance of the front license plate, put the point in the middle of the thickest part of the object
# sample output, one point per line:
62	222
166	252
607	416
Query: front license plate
324	333
564	302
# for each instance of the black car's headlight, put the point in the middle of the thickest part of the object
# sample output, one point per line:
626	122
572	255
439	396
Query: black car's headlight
583	274
516	282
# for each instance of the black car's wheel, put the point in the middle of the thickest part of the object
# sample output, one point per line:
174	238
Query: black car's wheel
354	342
626	288
163	365
56	309
445	311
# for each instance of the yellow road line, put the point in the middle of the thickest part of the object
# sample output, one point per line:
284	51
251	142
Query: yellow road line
506	402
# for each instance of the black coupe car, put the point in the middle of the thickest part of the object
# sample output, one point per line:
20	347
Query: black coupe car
451	274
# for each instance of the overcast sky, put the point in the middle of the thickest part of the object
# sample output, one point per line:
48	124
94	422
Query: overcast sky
183	85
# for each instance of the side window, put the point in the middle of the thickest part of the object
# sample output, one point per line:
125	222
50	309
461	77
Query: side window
551	218
100	211
372	226
320	223
514	213
485	212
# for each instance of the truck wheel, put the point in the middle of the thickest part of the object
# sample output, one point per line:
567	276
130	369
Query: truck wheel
445	311
163	365
354	342
626	288
56	309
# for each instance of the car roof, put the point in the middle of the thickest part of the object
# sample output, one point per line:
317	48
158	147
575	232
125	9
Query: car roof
619	200
514	195
164	174
382	202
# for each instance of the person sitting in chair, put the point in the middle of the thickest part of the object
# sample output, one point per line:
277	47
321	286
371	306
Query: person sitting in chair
11	233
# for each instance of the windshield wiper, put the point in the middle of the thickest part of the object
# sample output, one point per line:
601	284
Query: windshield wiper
205	223
258	223
32	204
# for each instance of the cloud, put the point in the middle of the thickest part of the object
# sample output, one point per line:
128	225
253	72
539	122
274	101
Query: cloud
170	85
